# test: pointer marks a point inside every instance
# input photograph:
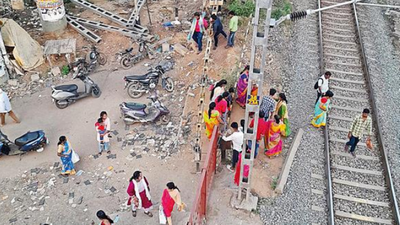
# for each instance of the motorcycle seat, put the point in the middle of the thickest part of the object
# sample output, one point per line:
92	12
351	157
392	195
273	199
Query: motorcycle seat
137	77
128	49
26	138
135	106
67	87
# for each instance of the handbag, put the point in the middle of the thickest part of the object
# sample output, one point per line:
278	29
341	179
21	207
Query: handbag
369	144
161	215
75	157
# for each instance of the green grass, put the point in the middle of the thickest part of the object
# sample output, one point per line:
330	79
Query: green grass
282	9
274	183
242	9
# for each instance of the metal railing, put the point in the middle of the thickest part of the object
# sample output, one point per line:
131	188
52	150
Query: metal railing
199	209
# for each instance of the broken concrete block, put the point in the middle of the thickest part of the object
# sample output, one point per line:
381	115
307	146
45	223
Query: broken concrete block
13	82
165	47
180	49
55	71
35	77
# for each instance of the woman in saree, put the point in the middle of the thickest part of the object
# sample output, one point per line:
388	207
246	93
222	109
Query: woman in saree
321	108
241	87
65	153
211	118
170	197
282	112
273	142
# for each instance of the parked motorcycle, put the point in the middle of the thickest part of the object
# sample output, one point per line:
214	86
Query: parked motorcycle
94	58
31	141
64	95
128	58
136	112
136	85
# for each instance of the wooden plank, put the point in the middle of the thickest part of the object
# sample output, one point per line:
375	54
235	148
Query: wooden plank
342	56
346	108
317	176
365	157
348	89
347	81
359	185
288	162
345	141
317	208
338	129
351	169
317	192
340	42
362	218
350	98
361	200
344	72
344	64
340	118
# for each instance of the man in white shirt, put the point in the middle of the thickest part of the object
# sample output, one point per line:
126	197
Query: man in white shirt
323	85
237	141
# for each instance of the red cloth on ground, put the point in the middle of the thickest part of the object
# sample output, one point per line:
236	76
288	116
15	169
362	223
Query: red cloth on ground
146	203
261	129
221	106
167	203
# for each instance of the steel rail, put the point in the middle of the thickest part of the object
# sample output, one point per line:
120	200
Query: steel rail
388	174
329	192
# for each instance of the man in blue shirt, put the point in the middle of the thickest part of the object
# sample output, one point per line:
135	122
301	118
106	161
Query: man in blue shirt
217	29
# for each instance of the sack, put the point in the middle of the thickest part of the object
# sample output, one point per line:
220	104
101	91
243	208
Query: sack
161	215
75	157
316	83
369	144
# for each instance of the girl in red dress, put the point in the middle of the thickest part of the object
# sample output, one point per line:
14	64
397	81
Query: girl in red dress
171	195
139	193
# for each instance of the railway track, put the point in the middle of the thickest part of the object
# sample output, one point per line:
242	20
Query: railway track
358	190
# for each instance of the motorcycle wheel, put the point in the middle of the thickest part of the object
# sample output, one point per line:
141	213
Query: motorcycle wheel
126	62
102	59
164	119
61	106
169	84
134	90
96	92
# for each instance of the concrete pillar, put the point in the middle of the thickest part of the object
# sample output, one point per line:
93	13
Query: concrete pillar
17	4
52	15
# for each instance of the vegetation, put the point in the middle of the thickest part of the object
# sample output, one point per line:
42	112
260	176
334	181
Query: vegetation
274	183
65	70
282	9
242	9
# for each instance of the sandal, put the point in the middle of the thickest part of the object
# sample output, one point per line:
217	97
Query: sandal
134	213
149	214
109	151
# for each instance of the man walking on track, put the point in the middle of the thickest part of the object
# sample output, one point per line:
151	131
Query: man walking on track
322	85
361	124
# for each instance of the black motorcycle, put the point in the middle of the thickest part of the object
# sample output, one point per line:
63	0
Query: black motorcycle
84	67
136	85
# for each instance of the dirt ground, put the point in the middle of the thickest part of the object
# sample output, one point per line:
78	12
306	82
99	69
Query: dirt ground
33	193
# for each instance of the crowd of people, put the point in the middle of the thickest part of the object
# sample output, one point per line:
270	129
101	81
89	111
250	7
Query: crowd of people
273	121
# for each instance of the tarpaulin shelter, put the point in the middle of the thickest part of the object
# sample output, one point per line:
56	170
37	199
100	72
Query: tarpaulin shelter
27	52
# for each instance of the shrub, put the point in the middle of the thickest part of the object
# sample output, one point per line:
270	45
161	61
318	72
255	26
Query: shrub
242	9
281	9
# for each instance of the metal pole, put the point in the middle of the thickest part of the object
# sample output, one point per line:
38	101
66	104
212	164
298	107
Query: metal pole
379	5
148	11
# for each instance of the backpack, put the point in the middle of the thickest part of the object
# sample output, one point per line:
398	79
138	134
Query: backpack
316	83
